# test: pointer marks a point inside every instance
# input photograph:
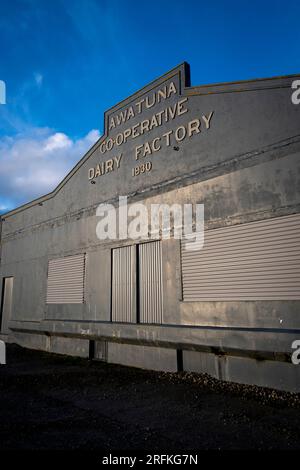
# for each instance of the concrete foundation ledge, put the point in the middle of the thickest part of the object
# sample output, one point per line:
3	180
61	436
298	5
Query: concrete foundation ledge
54	344
69	346
31	341
144	357
5	338
266	343
278	375
275	374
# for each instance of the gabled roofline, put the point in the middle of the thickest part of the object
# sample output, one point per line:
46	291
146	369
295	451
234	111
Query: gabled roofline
183	67
183	70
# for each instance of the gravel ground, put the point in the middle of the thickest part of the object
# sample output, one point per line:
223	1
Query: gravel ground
58	402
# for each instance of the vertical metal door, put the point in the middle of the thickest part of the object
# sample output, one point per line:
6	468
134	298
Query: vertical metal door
6	309
124	284
150	283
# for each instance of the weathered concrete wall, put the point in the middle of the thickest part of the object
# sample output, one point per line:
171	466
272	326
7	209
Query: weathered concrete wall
26	255
248	119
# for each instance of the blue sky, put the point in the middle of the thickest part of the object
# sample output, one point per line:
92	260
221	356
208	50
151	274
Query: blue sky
66	61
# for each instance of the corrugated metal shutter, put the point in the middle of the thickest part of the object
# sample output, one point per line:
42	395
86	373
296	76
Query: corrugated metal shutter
254	261
66	280
124	284
150	282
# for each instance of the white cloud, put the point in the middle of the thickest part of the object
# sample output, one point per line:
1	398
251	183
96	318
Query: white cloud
38	77
57	141
34	163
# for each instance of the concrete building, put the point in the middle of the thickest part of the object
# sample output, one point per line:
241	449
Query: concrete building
231	308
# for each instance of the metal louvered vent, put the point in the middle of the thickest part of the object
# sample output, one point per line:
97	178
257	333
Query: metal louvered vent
150	283
253	261
66	280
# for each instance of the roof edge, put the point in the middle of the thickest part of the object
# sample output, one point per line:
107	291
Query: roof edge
235	86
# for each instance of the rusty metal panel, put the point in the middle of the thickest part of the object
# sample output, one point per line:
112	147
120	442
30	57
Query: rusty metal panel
253	261
150	282
66	280
124	284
